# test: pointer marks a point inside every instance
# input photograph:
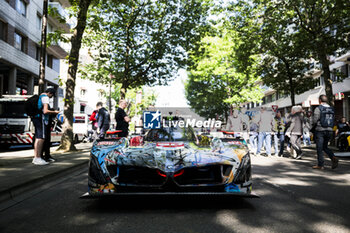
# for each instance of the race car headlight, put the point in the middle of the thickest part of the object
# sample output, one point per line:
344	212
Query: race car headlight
243	172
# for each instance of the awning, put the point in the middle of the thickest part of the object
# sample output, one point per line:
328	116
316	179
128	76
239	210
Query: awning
344	58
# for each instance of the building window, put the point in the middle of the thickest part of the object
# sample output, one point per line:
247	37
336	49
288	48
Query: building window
60	92
82	93
20	42
21	7
38	22
3	31
49	28
56	64
49	61
273	97
38	52
82	108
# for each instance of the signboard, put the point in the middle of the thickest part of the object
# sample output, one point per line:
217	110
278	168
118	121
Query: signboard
274	108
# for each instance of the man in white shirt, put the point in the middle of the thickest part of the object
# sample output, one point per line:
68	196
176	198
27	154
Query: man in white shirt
265	131
40	122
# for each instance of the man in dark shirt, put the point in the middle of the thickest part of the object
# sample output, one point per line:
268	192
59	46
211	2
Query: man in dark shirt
103	120
122	119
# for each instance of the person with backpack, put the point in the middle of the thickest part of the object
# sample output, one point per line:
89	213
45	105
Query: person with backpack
41	122
324	122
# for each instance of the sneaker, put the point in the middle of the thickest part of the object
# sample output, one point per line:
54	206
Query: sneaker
39	161
299	156
50	159
334	162
318	167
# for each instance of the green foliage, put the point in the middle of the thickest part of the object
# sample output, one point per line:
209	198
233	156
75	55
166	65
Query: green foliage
53	38
217	79
141	42
288	33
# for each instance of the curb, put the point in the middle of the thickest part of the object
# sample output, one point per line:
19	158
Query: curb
32	185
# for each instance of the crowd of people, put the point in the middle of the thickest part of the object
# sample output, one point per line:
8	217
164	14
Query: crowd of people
267	129
274	132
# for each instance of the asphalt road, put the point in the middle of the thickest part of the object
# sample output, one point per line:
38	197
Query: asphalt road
293	198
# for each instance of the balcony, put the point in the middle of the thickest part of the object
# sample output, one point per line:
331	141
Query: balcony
62	13
344	58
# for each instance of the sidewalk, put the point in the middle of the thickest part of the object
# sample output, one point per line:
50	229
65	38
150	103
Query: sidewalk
18	175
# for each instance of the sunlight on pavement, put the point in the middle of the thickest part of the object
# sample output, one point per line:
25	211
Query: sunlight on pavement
311	201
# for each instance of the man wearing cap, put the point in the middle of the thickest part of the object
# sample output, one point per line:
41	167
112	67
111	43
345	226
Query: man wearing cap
41	122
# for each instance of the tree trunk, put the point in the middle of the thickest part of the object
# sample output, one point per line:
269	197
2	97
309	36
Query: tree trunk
327	78
67	137
291	83
123	91
43	48
291	90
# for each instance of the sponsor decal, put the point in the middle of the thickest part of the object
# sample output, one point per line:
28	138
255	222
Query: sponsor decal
106	143
235	143
175	145
153	120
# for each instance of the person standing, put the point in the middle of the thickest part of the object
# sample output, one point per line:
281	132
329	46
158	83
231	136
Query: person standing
253	134
94	125
234	123
245	124
324	120
41	122
279	124
307	129
295	131
122	119
46	153
265	130
103	120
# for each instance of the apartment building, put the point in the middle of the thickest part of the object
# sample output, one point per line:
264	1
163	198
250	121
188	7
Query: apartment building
309	99
20	34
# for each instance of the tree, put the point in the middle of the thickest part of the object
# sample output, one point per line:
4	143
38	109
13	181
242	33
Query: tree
217	77
67	137
284	60
142	42
325	26
264	32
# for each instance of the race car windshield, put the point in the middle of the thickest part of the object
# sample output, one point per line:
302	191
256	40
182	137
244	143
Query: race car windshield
171	134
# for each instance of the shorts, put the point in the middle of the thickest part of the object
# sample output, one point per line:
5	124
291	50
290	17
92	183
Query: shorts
39	127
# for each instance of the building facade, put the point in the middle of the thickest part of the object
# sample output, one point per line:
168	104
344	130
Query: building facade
20	34
309	99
